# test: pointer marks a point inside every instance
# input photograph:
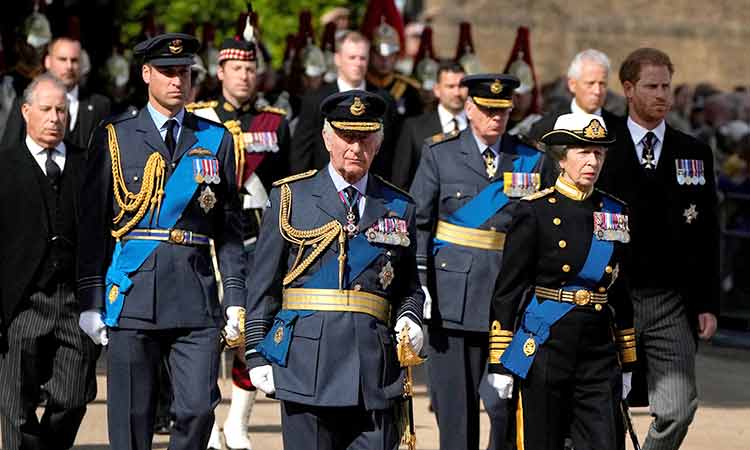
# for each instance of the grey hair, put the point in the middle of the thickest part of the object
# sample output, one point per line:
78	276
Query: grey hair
30	91
590	55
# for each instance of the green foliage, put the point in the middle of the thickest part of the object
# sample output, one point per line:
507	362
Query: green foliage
277	17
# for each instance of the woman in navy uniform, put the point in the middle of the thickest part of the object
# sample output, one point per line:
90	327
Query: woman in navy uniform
561	320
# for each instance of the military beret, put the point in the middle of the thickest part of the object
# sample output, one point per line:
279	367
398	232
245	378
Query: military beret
491	90
238	49
354	110
169	49
579	129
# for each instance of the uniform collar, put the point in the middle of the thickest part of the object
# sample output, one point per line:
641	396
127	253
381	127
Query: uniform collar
341	183
160	119
482	146
570	190
229	107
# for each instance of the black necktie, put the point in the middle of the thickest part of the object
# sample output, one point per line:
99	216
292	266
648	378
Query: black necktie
53	170
455	129
489	162
352	213
648	159
169	138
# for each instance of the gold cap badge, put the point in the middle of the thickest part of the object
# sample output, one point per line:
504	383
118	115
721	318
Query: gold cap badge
357	108
175	47
496	87
594	130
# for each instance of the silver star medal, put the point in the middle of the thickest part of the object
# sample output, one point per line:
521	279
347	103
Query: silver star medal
386	275
207	199
649	162
690	214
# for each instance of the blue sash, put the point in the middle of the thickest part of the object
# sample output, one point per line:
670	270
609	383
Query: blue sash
360	254
129	256
540	316
491	199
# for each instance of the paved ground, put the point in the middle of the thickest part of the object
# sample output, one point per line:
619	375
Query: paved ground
721	423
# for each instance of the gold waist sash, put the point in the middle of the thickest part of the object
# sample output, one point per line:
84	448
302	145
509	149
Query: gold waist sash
470	237
337	300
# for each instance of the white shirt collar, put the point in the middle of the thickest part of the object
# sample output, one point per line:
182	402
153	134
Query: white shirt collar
637	132
73	93
574	108
446	117
341	183
344	86
38	150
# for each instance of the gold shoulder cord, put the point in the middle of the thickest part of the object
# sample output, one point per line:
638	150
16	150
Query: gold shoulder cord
323	236
239	148
151	193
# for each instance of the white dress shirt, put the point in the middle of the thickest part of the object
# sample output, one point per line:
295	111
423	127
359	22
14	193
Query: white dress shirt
637	133
73	104
446	119
341	184
344	86
40	154
574	108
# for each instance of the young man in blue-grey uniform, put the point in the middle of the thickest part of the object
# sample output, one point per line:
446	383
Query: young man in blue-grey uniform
334	271
159	197
466	189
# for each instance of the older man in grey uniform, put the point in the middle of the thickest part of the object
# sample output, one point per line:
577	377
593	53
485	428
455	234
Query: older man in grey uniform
466	188
335	267
160	190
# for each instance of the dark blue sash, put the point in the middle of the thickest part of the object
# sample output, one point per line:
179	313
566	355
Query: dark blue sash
540	316
179	190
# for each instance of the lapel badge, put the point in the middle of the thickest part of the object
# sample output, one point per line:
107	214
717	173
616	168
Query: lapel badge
386	275
357	108
690	213
113	293
278	335
207	199
175	47
529	347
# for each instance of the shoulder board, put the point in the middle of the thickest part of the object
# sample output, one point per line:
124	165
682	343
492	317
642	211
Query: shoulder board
393	186
127	115
540	194
293	178
408	80
201	105
274	110
442	137
607	194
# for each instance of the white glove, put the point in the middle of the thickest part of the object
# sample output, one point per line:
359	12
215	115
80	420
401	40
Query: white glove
91	323
232	327
262	378
627	384
416	337
503	384
427	307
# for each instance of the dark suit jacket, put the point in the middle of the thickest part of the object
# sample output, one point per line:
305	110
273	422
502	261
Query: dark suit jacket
24	222
92	109
547	122
409	148
308	150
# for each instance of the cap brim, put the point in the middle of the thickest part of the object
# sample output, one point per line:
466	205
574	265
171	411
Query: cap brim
164	62
565	137
493	102
356	126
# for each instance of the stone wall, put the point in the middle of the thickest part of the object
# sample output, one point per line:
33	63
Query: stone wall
706	39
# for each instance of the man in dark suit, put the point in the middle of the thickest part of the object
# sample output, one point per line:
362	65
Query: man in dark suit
42	346
667	179
432	126
307	150
319	332
147	283
85	109
588	76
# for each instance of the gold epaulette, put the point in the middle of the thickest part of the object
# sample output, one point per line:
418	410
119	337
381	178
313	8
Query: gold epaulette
540	194
201	105
442	137
299	176
408	80
625	340
274	110
393	186
499	341
607	194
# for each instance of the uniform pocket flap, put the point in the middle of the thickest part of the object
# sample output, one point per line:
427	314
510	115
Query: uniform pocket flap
453	261
309	327
457	190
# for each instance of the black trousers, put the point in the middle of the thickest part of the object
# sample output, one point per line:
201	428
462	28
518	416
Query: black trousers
573	387
135	360
47	352
307	427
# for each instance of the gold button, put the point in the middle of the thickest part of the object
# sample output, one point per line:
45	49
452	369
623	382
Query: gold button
566	268
135	178
443	265
598	307
458	195
552	200
608	269
493	229
556	221
562	244
602	289
357	287
601	204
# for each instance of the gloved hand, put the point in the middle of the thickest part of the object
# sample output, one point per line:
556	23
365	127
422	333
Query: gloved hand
232	328
627	384
262	378
427	307
416	337
503	384
91	323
